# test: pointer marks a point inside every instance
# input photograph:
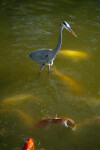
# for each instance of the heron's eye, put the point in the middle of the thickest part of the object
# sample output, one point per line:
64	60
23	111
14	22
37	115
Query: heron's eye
64	23
46	55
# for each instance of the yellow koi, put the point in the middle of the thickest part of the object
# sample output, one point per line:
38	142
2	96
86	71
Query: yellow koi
18	98
20	114
74	54
68	81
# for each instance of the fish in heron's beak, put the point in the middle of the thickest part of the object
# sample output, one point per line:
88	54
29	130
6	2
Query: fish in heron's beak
70	30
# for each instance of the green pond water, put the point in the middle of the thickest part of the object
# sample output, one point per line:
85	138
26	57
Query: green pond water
73	90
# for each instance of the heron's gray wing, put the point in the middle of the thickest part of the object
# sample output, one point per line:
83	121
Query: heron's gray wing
40	55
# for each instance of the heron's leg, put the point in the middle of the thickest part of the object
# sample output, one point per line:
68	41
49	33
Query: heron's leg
48	68
41	67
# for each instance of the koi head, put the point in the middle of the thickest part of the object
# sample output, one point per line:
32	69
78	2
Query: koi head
30	139
70	123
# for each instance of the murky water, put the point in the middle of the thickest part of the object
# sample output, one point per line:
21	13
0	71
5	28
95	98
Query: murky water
72	88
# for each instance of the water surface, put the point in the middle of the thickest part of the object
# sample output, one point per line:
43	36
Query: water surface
73	90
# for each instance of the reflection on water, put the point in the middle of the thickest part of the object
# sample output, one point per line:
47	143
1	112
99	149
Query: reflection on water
73	89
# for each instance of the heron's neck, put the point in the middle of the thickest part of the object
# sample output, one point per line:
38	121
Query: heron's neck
56	49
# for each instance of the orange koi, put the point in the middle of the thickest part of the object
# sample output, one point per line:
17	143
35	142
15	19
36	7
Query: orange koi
64	120
29	144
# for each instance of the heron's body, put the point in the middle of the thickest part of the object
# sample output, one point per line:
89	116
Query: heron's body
42	56
46	56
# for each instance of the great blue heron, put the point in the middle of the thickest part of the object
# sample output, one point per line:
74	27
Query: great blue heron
46	56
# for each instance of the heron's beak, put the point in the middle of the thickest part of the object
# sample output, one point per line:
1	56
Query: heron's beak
70	30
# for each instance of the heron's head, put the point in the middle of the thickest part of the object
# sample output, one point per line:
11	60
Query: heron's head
67	26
